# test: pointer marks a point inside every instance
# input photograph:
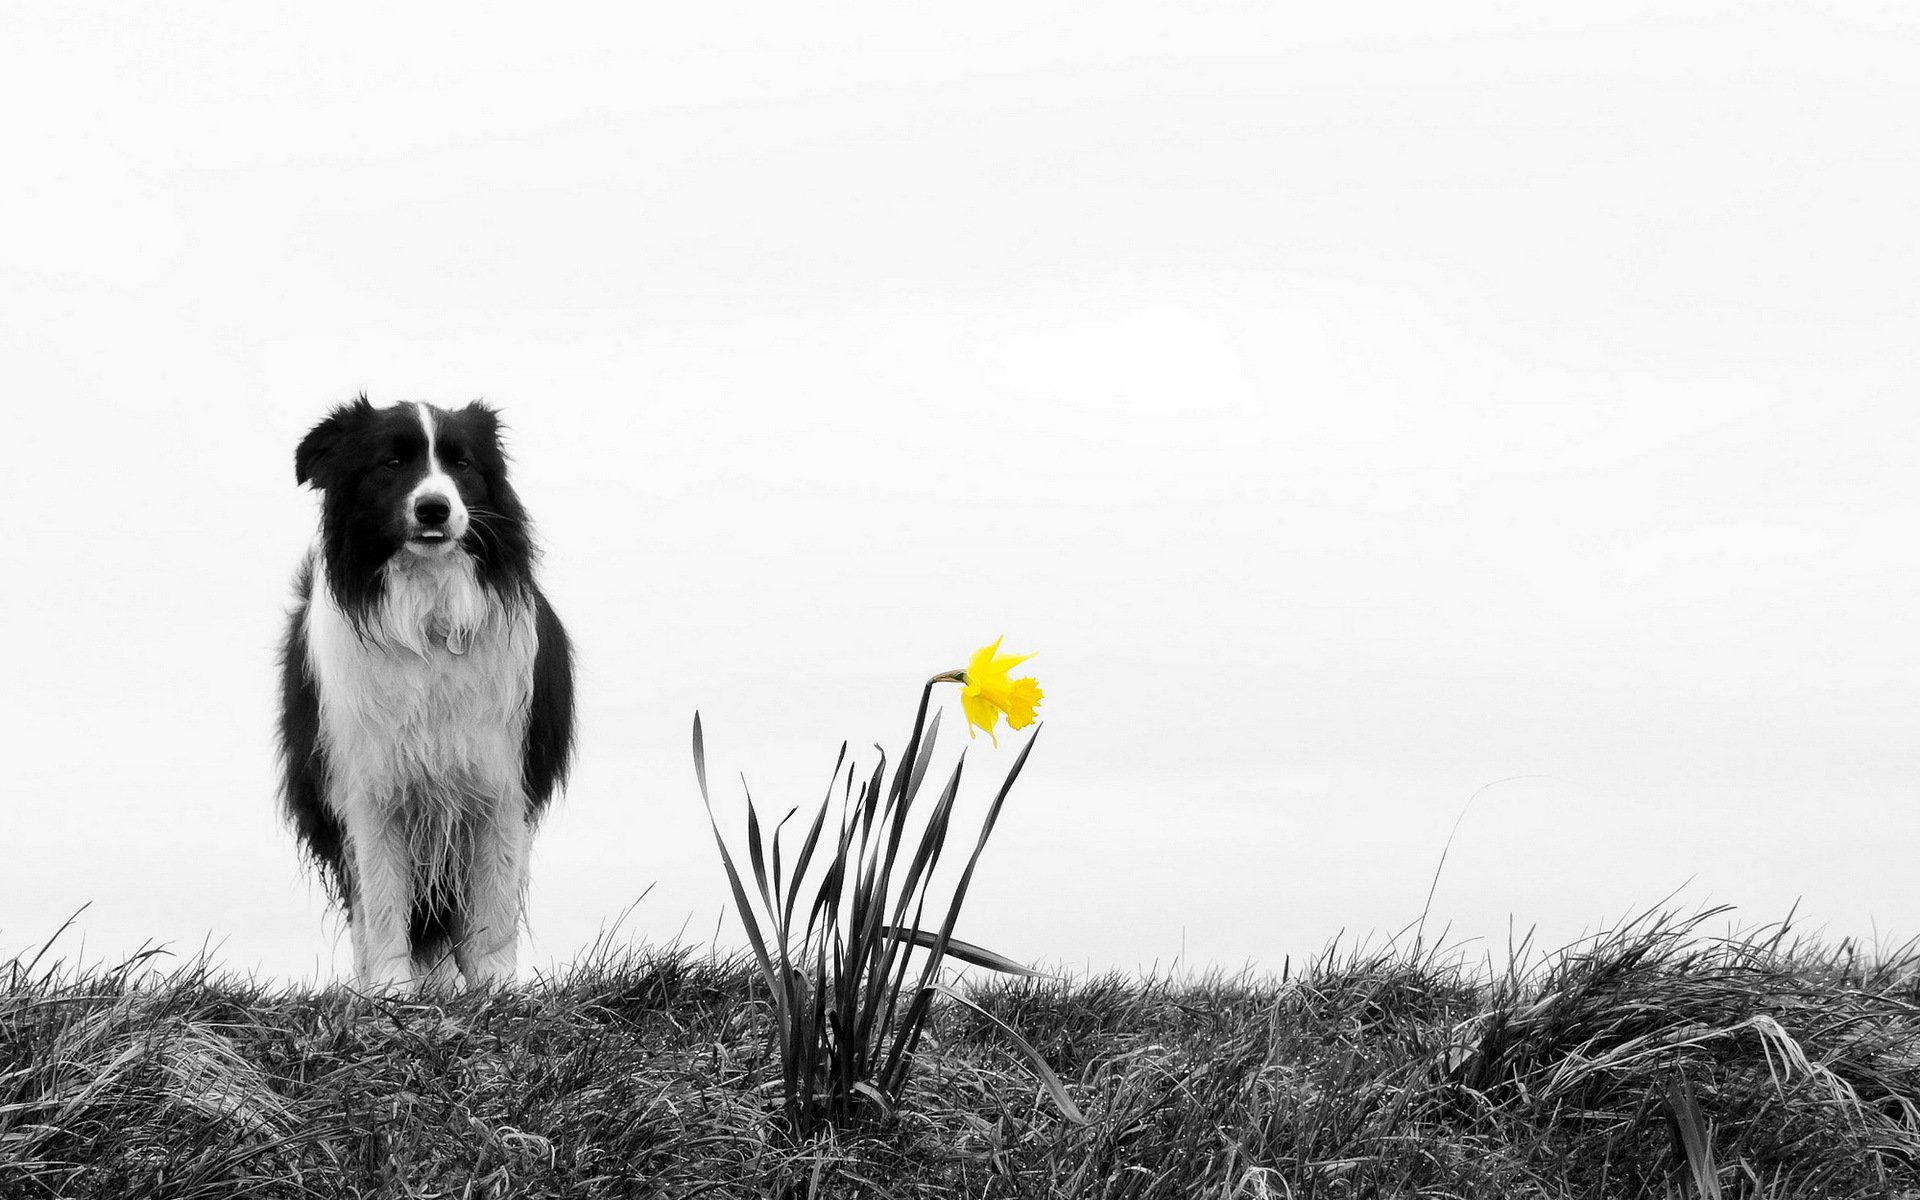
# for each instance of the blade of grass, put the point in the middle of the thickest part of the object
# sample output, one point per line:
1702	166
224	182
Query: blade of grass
1689	1124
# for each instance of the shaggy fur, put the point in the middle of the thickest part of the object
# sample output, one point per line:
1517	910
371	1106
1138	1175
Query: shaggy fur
426	691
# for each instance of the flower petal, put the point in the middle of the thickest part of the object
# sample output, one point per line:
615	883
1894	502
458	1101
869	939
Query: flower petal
982	661
981	712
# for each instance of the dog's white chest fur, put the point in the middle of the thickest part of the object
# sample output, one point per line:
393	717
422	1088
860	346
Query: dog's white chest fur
429	702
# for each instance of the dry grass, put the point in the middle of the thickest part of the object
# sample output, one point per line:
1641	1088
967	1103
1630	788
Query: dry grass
1652	1061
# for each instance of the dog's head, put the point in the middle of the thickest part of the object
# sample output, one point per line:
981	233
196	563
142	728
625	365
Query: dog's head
414	480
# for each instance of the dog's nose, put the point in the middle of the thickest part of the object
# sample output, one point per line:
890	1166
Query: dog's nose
431	510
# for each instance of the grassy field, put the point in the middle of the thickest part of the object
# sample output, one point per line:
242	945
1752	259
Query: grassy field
1655	1060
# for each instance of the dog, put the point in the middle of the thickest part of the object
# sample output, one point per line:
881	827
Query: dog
426	714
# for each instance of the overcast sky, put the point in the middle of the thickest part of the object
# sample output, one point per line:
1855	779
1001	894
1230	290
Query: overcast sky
1359	409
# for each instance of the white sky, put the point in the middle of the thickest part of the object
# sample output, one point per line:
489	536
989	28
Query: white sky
1353	405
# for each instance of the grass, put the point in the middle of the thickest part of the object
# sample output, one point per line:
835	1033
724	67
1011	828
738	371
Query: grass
1653	1060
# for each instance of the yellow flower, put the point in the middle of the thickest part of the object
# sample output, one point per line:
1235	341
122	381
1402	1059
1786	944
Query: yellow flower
987	691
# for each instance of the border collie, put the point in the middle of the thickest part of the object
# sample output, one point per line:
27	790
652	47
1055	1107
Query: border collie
426	691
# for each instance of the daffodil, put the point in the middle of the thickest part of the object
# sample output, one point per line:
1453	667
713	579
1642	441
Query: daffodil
987	691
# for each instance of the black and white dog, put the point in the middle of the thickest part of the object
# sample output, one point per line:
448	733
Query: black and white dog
426	691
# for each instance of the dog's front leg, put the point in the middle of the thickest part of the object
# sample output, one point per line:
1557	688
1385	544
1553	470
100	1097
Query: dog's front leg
383	898
496	895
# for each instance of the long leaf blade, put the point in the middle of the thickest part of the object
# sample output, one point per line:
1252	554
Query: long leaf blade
745	907
966	952
1048	1079
756	854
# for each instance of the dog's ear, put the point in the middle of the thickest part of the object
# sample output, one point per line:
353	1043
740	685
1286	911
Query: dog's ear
484	418
482	423
315	455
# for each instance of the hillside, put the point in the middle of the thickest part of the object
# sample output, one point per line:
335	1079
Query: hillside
1652	1061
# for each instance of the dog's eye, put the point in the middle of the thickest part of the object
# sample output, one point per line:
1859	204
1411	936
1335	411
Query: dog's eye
392	464
461	464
